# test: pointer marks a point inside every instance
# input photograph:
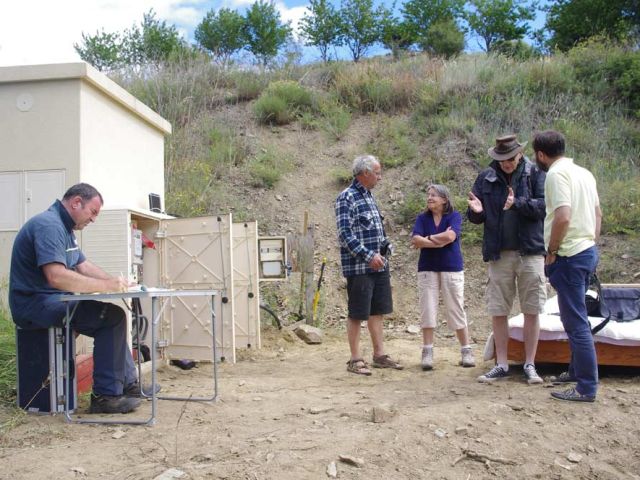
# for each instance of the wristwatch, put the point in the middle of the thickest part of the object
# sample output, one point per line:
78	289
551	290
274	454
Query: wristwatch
552	252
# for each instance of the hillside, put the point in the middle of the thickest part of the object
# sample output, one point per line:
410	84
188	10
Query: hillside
289	410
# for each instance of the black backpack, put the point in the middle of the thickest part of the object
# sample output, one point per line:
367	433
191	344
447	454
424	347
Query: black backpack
620	304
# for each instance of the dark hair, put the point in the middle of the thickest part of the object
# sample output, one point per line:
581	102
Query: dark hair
549	142
83	190
442	192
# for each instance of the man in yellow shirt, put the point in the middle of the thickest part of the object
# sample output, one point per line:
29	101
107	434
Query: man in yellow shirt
571	229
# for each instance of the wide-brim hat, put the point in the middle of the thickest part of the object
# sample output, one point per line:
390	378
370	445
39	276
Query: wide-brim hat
506	148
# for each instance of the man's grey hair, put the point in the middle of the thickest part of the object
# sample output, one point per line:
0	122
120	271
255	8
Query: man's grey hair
364	163
85	191
442	192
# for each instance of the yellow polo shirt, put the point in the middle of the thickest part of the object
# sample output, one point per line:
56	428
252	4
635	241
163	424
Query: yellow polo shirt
568	184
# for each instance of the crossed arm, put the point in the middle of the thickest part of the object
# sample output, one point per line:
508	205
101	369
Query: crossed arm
437	240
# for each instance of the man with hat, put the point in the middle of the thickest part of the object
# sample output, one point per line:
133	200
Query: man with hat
508	198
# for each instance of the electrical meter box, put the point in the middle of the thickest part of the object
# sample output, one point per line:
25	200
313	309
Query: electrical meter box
272	258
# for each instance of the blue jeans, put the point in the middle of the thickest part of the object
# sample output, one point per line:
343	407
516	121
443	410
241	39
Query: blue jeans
570	277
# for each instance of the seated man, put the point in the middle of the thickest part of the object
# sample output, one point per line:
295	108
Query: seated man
46	261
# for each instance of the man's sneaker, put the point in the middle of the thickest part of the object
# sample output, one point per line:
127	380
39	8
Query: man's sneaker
133	390
572	395
112	404
564	377
427	358
467	358
385	361
496	373
531	375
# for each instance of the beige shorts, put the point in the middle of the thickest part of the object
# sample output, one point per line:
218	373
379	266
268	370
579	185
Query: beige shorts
449	285
514	271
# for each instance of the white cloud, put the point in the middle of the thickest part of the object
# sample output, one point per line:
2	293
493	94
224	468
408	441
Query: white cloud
44	31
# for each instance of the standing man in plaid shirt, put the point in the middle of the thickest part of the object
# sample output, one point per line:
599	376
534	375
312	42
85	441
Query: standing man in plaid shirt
363	251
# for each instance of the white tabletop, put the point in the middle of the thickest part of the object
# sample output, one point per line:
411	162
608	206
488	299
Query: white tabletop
148	293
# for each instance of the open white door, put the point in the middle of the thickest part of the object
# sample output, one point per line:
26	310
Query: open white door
197	254
246	289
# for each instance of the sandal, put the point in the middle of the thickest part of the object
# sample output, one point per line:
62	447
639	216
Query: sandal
384	361
358	366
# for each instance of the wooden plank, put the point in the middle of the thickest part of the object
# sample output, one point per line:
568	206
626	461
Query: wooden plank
557	351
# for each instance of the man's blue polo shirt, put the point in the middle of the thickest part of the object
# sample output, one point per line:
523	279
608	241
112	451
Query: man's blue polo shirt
46	238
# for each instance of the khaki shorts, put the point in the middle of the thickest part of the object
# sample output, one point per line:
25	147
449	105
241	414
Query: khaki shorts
514	271
451	286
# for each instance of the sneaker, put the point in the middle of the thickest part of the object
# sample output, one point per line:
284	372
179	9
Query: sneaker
133	390
467	358
572	395
427	358
384	361
112	404
531	375
496	373
564	377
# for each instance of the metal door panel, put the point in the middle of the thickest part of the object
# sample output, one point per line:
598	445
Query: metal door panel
245	284
197	254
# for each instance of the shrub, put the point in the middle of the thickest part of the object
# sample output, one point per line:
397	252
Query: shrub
282	102
248	85
334	119
392	143
444	38
342	176
267	168
407	211
272	110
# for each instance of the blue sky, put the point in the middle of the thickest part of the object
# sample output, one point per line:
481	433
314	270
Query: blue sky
44	31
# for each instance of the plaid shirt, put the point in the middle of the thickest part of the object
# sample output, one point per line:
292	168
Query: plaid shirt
360	230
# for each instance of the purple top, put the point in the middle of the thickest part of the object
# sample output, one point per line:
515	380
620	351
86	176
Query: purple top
447	258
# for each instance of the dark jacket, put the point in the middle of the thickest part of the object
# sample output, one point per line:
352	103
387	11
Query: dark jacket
491	188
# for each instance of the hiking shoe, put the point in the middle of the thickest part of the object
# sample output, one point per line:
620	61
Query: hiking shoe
467	358
572	395
496	373
427	358
384	361
133	390
112	404
531	375
564	377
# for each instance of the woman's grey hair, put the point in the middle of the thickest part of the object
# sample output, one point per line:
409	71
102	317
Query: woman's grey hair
442	192
364	163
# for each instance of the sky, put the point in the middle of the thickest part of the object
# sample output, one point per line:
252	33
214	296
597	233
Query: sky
44	31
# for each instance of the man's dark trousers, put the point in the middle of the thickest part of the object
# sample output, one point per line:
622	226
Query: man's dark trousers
570	277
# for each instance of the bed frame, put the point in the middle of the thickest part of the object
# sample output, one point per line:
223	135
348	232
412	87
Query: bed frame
557	351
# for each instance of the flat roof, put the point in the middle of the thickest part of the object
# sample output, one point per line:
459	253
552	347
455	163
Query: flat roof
84	71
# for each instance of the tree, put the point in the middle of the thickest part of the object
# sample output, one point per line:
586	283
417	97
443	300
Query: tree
394	33
222	34
102	50
419	15
360	26
572	21
264	32
321	27
152	42
499	20
444	38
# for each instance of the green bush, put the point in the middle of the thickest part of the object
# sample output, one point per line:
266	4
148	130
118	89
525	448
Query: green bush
334	119
282	102
226	149
267	168
444	39
247	85
272	110
342	176
392	143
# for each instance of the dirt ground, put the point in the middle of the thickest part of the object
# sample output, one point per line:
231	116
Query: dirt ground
289	410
